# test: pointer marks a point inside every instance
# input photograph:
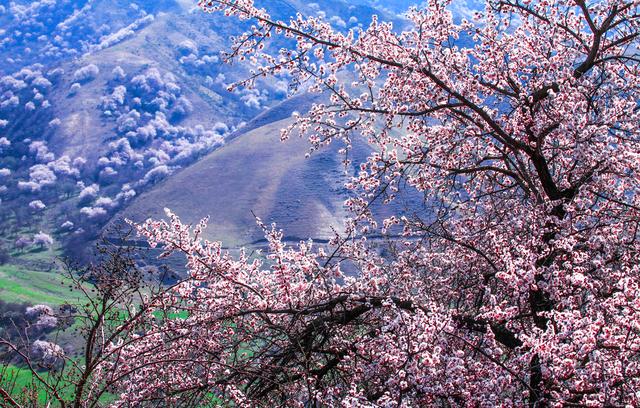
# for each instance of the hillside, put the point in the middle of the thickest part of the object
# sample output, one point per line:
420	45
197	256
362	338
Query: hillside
112	109
104	105
254	174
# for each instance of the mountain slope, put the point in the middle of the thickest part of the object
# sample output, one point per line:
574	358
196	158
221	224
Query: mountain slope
103	100
254	174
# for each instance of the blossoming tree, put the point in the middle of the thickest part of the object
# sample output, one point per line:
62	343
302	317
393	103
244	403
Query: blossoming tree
517	282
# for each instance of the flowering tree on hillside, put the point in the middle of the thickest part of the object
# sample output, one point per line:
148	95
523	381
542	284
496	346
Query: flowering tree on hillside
106	301
42	240
517	283
22	243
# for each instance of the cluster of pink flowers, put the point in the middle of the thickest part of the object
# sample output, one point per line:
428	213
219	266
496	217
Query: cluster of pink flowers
517	282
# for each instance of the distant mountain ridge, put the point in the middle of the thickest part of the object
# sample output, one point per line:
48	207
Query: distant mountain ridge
102	101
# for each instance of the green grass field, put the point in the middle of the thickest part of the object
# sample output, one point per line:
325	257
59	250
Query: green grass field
20	285
18	380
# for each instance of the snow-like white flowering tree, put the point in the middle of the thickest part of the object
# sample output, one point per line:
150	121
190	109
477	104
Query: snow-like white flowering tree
86	73
42	240
42	315
49	353
22	242
37	205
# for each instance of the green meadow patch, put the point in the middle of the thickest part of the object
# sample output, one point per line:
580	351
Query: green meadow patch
20	285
